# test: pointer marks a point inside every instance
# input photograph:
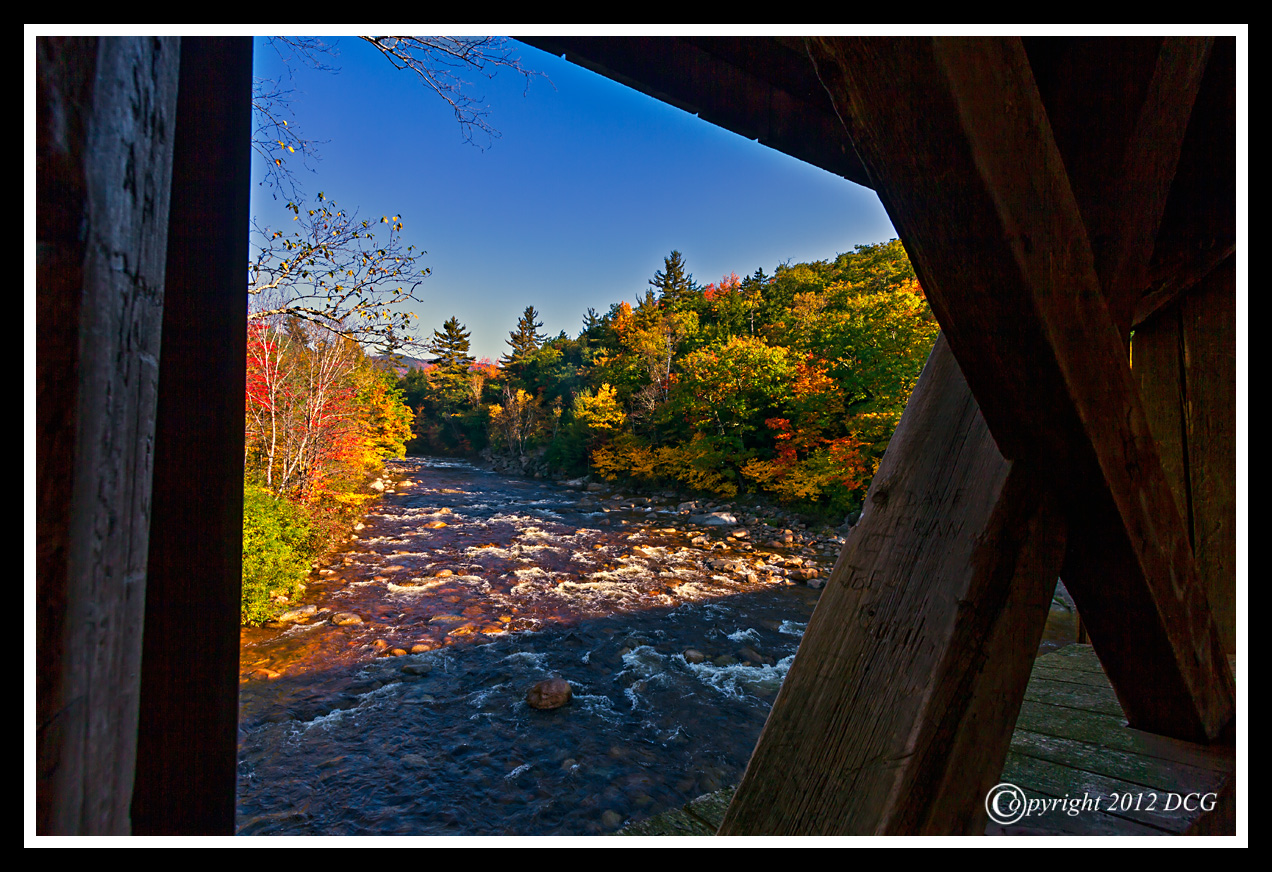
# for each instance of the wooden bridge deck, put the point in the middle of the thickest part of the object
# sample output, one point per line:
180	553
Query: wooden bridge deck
1071	745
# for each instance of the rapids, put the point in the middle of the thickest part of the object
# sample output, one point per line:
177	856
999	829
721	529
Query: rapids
468	587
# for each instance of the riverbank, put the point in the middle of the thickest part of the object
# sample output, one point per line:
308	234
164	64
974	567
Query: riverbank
673	635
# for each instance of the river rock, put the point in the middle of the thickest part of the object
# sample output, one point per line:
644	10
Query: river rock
298	614
693	655
343	618
550	693
714	519
750	655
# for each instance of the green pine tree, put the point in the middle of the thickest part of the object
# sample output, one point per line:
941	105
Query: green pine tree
450	345
525	340
675	287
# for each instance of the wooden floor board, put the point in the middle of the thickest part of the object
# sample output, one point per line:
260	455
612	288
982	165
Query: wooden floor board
1071	744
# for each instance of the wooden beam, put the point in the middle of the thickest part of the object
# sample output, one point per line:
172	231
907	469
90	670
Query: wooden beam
106	109
1184	361
1170	282
187	736
897	714
1141	90
955	135
1198	231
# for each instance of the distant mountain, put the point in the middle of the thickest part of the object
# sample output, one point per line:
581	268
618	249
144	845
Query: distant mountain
400	363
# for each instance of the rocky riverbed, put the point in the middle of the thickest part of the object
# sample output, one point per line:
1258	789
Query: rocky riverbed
393	700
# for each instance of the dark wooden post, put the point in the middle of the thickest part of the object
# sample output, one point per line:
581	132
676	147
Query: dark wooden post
106	110
189	691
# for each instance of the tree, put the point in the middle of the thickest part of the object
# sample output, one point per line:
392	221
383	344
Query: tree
301	414
450	346
674	286
334	274
516	420
525	339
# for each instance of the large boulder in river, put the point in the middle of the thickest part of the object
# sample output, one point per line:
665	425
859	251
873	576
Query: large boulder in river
714	519
549	694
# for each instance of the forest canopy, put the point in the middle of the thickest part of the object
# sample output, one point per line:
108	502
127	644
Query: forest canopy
789	384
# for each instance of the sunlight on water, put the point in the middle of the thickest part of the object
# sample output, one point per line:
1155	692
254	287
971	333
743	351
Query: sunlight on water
400	706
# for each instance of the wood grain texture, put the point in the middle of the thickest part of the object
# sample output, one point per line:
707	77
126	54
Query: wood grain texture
896	714
88	729
1208	324
960	148
1185	366
1142	91
187	734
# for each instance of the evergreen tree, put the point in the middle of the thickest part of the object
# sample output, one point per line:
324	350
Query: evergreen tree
450	345
674	285
526	339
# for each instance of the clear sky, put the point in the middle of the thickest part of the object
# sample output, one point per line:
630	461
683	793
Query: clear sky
588	187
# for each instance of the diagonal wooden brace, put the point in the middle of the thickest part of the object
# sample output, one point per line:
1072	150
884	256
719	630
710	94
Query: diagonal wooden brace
960	150
896	716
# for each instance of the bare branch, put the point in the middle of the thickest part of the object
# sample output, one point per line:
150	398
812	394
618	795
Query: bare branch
441	62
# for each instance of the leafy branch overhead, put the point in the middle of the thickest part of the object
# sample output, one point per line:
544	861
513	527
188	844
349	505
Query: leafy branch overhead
335	273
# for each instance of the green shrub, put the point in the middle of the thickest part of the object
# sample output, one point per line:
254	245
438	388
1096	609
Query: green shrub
278	546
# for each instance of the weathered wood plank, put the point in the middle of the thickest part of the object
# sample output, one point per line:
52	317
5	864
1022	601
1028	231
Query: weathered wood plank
1185	362
107	111
1077	696
1221	820
1148	772
1044	778
897	712
1208	325
1073	676
1157	368
960	149
1075	657
1166	289
1111	731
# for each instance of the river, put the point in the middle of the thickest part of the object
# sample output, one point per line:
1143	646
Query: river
468	588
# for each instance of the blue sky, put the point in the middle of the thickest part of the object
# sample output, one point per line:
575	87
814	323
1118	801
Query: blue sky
588	187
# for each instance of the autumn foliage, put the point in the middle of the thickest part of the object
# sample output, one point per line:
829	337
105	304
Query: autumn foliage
791	384
320	419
